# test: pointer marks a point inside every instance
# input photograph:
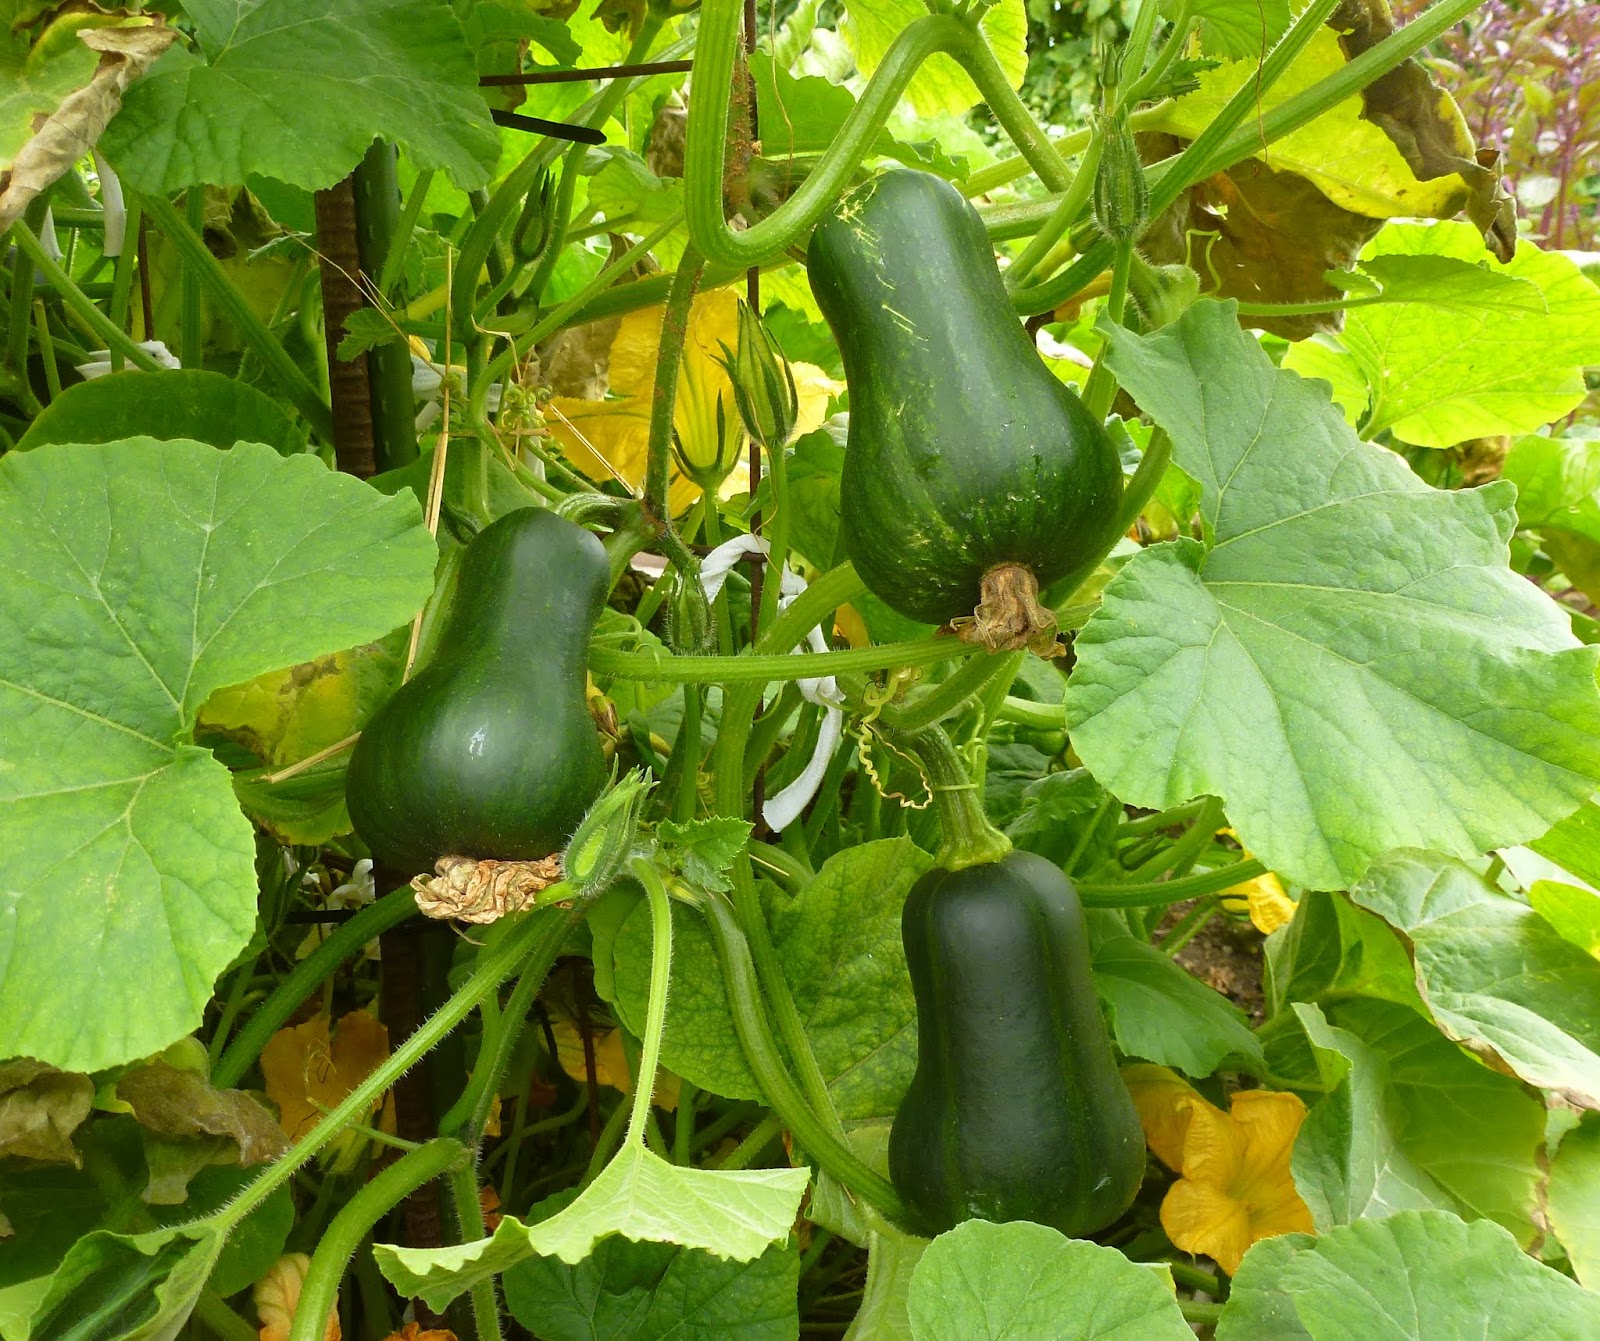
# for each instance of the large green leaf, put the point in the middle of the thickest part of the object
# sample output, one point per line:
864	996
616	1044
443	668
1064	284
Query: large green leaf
1574	1199
1258	1307
1417	1276
870	27
140	577
1436	376
730	1213
985	1282
1347	660
892	1259
135	1287
1412	1122
178	403
298	90
1158	1012
627	1291
1334	948
1497	977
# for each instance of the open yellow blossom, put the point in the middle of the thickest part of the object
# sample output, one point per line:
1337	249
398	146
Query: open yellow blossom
609	439
1236	1187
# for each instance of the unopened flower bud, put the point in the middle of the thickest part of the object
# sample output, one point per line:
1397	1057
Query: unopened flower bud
763	384
604	839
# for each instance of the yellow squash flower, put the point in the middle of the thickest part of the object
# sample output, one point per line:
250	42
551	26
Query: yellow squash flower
1236	1187
1263	898
609	439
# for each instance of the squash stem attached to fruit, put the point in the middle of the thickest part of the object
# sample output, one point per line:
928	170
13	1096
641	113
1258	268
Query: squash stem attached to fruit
969	838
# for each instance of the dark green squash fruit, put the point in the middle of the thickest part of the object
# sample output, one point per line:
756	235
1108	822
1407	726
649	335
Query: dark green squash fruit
489	751
968	461
1016	1110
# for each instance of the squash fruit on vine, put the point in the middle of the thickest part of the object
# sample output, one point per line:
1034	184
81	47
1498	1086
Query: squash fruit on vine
490	751
1016	1110
972	477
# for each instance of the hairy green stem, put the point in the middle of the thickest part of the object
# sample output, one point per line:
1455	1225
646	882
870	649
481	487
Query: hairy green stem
462	1181
528	937
372	921
759	669
355	1220
644	1081
664	397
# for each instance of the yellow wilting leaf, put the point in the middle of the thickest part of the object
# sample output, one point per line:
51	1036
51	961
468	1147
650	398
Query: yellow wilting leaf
308	1071
610	1063
277	1296
1236	1187
609	439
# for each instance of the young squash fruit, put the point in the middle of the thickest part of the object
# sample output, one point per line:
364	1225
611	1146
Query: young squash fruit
972	476
489	751
1016	1110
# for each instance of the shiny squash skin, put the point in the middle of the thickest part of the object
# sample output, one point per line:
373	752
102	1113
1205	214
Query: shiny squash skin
965	452
489	750
1016	1110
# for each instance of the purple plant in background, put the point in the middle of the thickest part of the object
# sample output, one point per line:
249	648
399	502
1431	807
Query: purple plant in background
1526	74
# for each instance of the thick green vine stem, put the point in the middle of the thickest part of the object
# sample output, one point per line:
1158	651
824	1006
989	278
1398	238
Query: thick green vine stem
532	936
355	1220
707	132
371	922
761	1051
944	698
766	668
462	1180
664	398
968	837
1159	893
644	871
